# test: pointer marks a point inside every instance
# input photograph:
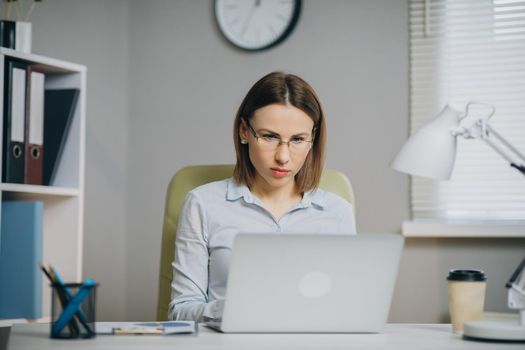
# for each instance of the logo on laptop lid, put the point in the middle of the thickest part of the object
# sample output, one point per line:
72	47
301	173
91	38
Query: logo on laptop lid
315	284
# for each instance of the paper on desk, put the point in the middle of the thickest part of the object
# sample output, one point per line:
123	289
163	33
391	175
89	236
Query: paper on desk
168	327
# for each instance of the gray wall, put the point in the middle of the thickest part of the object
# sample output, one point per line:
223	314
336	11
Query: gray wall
163	87
95	33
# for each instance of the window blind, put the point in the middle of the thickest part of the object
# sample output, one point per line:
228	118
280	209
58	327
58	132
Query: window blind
461	51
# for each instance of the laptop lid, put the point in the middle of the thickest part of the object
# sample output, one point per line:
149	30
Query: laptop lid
311	282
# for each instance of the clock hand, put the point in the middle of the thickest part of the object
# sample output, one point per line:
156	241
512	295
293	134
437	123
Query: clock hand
249	17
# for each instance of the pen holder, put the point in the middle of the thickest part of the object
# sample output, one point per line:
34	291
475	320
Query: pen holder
73	310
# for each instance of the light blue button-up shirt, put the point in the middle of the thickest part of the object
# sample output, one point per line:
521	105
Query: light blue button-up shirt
210	218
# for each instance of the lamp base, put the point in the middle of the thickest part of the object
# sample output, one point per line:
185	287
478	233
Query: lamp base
504	330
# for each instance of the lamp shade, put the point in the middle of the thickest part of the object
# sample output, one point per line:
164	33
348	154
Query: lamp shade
431	151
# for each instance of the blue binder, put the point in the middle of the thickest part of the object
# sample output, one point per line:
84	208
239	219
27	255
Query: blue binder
20	253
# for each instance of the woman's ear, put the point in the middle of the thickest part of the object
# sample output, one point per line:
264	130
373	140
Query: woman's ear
243	132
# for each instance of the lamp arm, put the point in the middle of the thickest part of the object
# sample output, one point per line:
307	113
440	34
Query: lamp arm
506	143
487	131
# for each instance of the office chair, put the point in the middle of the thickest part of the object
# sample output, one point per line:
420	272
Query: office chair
187	179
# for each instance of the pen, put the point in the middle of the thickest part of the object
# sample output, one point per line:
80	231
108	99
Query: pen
57	278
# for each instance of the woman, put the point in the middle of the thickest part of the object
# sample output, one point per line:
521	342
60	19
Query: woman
279	136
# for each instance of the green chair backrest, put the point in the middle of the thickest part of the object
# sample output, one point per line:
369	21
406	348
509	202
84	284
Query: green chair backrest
187	179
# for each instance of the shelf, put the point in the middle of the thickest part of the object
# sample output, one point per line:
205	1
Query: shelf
43	190
63	201
53	65
464	228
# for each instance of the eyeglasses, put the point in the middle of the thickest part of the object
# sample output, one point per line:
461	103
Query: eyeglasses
272	142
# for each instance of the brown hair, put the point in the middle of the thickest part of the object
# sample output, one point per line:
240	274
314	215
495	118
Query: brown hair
282	88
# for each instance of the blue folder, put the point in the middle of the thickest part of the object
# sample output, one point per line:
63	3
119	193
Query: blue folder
20	253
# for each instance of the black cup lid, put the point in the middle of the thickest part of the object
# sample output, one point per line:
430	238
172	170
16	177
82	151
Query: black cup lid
466	275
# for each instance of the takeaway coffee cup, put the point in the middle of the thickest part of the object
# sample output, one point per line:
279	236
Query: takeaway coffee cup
466	296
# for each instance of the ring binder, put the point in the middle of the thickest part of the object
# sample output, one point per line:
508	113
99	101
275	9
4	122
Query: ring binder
34	128
14	122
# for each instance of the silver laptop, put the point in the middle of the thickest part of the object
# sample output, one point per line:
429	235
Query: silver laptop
310	283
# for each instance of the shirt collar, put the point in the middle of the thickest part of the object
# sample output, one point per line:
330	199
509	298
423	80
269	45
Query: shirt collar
236	191
315	197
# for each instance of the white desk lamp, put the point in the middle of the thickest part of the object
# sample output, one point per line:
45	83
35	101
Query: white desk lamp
431	153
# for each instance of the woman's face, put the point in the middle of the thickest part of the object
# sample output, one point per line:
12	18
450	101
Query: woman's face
277	164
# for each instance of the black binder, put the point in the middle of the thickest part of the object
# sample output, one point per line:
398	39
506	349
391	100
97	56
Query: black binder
59	110
14	121
8	33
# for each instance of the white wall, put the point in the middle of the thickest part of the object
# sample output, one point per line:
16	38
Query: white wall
163	88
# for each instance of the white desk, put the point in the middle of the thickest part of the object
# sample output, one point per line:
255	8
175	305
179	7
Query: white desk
395	336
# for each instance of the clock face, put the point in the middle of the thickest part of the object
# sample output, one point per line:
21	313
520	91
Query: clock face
256	24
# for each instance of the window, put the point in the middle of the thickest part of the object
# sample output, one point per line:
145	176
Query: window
461	51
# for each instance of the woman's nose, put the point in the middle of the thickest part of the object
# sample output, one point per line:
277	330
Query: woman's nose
282	153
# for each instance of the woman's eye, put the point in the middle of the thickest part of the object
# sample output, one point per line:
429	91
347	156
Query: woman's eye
297	140
270	137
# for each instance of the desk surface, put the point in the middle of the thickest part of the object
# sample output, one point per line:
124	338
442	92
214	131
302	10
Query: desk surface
395	336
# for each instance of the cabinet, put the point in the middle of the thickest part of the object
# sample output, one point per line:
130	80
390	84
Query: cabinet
64	198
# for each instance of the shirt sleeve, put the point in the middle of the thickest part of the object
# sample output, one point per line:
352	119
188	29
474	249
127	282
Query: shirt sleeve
189	288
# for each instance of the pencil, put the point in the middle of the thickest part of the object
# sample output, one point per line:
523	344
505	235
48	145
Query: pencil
43	268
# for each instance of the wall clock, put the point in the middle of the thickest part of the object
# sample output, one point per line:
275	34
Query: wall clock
255	25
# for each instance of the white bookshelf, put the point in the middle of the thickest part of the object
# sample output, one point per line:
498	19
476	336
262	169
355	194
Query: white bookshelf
64	198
